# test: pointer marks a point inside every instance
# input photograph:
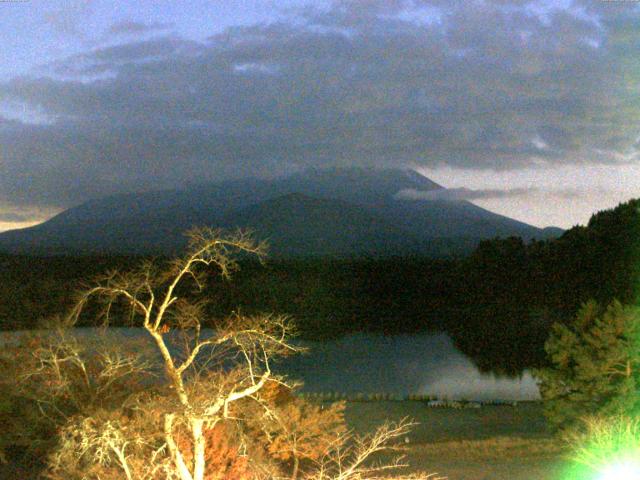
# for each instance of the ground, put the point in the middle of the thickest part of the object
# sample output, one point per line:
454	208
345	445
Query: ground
490	443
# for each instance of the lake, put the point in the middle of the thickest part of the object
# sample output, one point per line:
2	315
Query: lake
427	364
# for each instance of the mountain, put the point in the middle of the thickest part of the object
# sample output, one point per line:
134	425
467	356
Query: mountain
297	224
338	212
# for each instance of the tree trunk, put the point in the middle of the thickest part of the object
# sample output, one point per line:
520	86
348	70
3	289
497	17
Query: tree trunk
198	448
296	464
170	368
178	460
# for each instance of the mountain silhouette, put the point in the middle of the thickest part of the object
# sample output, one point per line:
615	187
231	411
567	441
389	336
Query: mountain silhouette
337	212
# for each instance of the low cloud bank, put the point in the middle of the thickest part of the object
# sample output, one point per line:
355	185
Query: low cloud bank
459	194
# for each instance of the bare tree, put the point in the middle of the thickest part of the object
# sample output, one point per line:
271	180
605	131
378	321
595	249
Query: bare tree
119	416
350	457
154	303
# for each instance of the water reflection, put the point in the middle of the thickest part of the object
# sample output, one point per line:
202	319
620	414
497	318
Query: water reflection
402	364
426	364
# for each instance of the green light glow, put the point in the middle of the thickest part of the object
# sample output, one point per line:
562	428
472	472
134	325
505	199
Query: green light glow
626	470
606	448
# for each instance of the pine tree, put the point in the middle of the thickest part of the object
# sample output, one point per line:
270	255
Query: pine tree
595	365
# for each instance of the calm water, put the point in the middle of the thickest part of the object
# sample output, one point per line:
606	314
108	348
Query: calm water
401	364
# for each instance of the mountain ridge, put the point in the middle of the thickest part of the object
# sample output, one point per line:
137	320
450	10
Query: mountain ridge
354	208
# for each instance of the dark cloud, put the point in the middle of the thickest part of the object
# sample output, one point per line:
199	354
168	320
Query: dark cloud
498	85
111	59
608	8
137	28
70	18
7	124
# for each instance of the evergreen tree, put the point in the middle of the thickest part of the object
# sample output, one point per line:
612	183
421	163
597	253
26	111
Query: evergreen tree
595	365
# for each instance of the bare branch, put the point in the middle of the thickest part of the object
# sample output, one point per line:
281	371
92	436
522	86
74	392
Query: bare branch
350	457
111	416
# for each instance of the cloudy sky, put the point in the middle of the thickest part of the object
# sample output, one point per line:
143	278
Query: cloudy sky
528	108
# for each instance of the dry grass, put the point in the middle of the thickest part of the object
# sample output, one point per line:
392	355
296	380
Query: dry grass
497	448
489	443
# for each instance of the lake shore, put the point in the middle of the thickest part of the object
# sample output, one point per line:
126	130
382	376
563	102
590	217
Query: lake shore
490	443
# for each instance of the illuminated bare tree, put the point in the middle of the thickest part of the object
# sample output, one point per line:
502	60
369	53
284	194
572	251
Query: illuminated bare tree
350	457
121	413
153	301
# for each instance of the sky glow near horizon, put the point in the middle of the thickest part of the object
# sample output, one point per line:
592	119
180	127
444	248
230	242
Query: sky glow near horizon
528	108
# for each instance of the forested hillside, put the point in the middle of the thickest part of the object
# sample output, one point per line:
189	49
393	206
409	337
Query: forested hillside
497	304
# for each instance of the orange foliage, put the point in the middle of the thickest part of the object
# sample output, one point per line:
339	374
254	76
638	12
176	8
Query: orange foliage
279	427
222	454
294	429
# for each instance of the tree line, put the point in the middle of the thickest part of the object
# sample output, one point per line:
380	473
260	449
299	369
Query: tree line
498	304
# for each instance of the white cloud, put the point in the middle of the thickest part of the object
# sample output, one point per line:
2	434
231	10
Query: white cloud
558	195
459	194
13	216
